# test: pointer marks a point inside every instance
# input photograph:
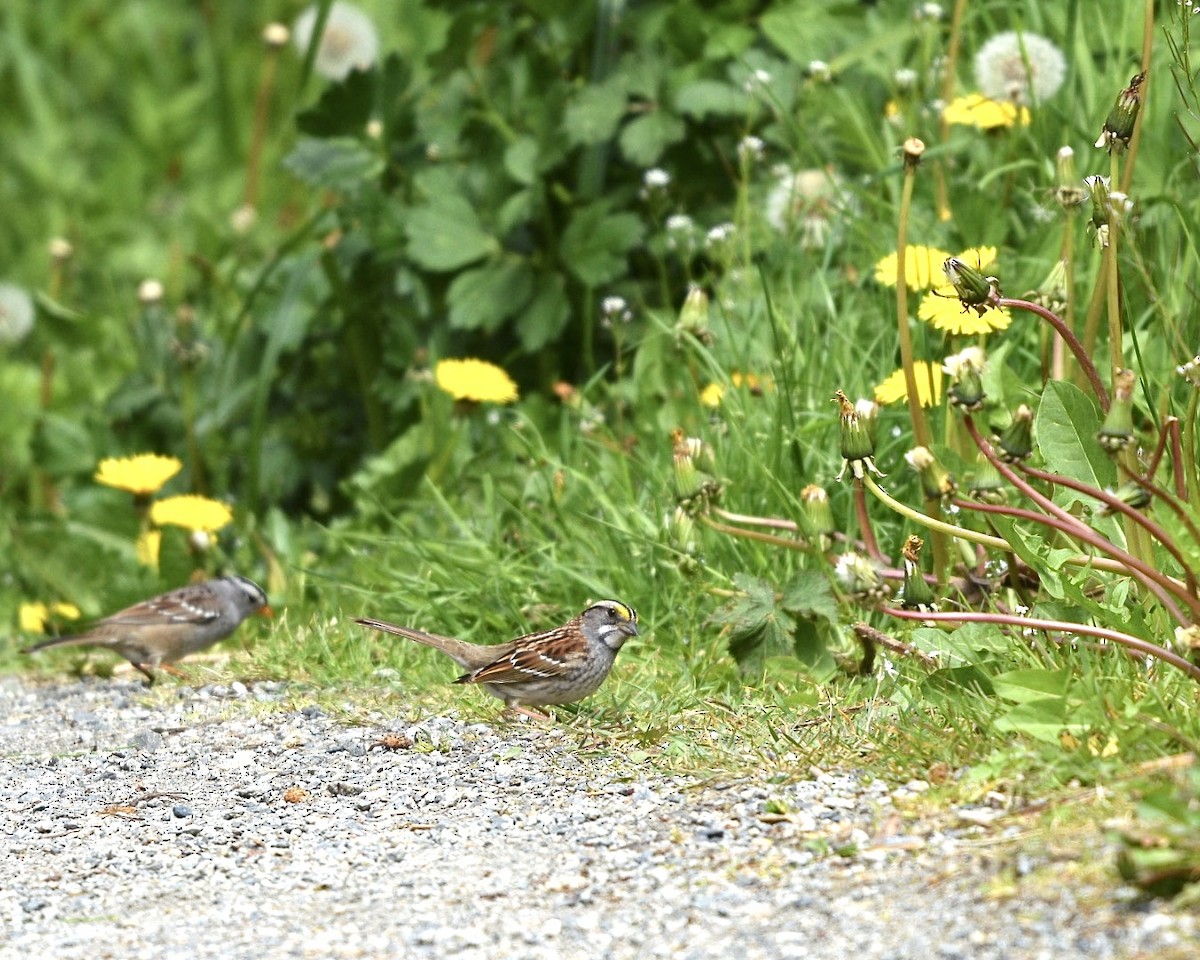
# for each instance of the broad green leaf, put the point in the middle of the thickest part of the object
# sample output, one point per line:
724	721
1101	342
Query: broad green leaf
644	139
593	116
445	234
1022	686
546	314
1044	720
808	595
1065	431
596	243
344	107
482	297
336	164
706	97
520	160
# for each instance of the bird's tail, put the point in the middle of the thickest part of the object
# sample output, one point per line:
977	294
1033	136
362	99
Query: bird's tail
56	642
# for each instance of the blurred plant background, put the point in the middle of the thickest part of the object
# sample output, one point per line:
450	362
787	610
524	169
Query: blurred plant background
664	228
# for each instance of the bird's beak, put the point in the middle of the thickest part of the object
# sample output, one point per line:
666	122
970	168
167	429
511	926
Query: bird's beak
631	628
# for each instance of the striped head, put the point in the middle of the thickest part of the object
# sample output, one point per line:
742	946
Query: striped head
611	622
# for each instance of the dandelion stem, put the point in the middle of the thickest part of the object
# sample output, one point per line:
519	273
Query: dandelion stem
1140	646
1077	348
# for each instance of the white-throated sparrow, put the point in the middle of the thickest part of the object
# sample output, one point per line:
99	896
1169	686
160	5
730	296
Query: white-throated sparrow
555	666
168	627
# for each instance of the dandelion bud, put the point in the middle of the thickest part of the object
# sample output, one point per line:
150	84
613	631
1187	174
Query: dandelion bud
60	249
936	481
974	290
1116	432
986	486
1190	371
687	477
819	71
1067	191
858	424
913	150
1052	292
1130	494
918	595
817	510
1118	127
150	292
200	541
1016	443
1101	207
693	315
966	368
276	35
683	526
857	576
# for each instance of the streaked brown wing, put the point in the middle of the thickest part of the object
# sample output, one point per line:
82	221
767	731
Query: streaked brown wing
520	666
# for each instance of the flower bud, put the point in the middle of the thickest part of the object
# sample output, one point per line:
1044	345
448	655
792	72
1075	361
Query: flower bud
918	595
817	512
936	481
966	372
1116	432
1016	443
858	425
857	576
693	315
1131	494
1118	126
1190	371
986	485
1067	191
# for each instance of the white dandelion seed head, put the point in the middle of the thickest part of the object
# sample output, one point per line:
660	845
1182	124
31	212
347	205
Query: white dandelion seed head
349	41
1019	67
750	148
928	11
679	223
150	291
905	78
958	363
656	179
720	233
16	313
804	197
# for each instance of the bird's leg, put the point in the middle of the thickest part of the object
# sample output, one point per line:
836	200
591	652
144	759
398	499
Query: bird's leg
512	708
145	671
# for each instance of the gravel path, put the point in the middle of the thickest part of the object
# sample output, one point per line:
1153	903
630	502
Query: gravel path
215	827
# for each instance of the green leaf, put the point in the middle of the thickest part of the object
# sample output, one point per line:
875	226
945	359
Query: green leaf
593	116
445	234
595	244
482	297
711	96
1065	432
1044	720
344	108
808	595
644	139
520	160
758	629
1023	686
336	164
546	315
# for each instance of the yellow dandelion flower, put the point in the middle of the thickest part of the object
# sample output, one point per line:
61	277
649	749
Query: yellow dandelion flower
929	385
942	308
148	542
711	395
475	380
752	381
34	616
191	512
976	110
978	257
922	267
142	474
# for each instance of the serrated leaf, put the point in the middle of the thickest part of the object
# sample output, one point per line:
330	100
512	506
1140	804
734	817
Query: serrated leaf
335	164
445	234
808	595
344	108
643	140
484	296
593	116
596	243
